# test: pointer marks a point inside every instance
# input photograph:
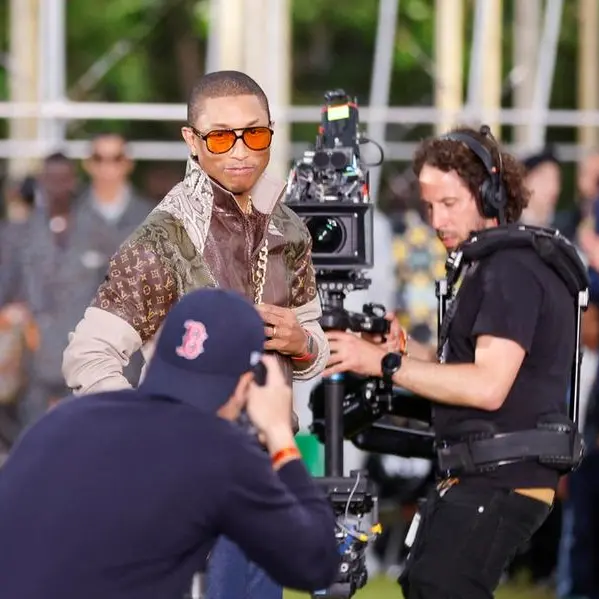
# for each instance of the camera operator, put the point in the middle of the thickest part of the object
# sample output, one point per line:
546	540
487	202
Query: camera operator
123	494
505	365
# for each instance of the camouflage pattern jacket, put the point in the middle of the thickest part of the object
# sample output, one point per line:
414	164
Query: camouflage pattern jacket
196	236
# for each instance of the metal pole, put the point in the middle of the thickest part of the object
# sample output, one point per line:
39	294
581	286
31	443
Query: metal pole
381	79
229	34
546	67
588	75
23	77
449	55
256	30
212	49
278	81
526	29
52	80
492	51
477	58
484	80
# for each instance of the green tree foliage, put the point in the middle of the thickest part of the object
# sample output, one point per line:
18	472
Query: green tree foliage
165	40
163	45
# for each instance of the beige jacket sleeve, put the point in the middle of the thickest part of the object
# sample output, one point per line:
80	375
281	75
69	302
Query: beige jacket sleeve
125	315
308	316
308	311
98	351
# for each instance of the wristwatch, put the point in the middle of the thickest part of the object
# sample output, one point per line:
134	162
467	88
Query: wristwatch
311	353
390	364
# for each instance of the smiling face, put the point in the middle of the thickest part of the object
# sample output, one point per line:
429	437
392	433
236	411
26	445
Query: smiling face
239	169
450	205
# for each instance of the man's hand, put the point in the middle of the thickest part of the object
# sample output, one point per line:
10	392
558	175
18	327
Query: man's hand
350	353
398	341
269	407
285	333
394	338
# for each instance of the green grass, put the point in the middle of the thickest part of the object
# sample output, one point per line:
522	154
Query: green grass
383	588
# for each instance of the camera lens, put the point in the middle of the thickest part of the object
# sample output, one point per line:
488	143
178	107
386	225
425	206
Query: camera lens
327	234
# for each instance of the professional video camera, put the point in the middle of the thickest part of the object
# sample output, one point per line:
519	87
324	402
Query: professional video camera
328	189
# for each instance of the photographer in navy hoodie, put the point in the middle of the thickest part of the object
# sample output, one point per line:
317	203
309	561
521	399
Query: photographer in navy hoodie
123	494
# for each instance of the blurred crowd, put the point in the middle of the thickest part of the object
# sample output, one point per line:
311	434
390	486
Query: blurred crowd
63	223
55	243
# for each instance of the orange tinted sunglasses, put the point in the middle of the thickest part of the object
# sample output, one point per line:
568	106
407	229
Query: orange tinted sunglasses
220	141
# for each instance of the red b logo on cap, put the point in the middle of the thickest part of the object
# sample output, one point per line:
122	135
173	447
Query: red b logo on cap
192	344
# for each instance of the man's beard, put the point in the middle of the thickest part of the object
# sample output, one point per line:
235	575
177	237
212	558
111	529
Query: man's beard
455	238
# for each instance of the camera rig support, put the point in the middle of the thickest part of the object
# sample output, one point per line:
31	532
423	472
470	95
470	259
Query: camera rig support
353	498
556	441
328	190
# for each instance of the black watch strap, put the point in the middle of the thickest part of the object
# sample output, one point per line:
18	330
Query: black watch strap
390	364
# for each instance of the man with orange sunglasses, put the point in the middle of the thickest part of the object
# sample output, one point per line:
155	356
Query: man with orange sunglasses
224	226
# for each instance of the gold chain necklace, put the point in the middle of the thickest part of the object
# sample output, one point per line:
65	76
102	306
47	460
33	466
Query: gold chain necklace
260	273
249	208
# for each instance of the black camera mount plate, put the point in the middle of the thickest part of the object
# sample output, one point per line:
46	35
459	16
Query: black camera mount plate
355	490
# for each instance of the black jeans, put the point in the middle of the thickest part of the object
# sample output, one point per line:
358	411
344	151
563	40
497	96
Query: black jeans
465	540
583	488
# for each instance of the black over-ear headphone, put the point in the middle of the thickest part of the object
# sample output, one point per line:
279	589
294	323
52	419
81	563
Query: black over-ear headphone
492	191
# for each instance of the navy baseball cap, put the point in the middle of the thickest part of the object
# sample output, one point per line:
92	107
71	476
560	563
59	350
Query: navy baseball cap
210	337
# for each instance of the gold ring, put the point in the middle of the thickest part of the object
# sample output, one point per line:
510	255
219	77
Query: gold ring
274	332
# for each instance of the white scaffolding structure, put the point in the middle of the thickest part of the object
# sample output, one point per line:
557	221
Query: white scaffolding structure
53	109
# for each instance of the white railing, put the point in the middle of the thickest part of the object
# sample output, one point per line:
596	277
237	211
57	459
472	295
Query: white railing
177	151
73	111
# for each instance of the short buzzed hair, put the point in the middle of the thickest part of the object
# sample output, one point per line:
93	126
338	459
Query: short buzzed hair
222	84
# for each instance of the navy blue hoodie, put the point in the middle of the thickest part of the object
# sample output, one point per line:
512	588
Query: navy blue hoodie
120	495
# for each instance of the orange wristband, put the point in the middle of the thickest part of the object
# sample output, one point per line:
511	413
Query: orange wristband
304	358
308	356
403	342
282	454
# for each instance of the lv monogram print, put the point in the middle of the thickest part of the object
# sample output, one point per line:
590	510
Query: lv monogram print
139	289
150	272
161	261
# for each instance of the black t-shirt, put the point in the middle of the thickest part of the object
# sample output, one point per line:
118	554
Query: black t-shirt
514	295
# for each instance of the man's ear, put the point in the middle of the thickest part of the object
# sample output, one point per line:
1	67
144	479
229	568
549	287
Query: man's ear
188	135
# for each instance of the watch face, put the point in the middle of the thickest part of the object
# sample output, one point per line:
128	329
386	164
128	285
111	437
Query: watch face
391	362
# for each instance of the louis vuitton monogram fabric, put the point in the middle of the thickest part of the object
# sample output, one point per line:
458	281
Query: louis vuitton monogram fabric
197	237
303	283
150	272
139	289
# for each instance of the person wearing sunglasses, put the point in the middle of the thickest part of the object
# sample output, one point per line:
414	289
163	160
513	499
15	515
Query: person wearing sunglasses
224	225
